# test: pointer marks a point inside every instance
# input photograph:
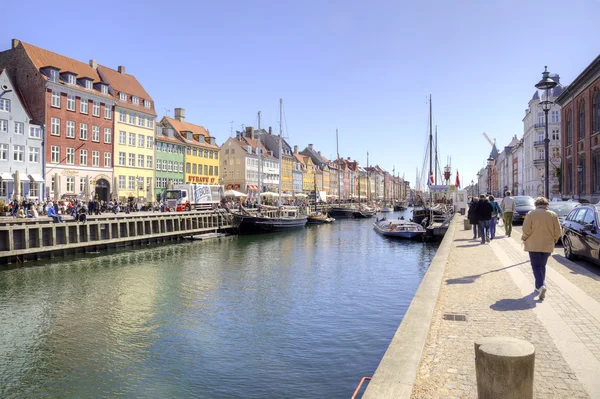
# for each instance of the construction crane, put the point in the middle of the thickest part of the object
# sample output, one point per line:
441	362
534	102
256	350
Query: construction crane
492	143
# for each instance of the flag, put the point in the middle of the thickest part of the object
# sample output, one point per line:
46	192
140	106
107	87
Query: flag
457	184
431	180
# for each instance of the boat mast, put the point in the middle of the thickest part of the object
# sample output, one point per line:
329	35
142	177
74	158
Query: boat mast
430	142
259	169
280	148
393	184
436	158
368	181
337	149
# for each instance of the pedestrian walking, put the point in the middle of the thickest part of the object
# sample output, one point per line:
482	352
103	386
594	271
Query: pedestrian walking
496	212
541	231
483	213
509	207
472	217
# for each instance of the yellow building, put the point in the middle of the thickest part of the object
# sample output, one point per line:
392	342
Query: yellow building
201	158
325	185
133	151
308	178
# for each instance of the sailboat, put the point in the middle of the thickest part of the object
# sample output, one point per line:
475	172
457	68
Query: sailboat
270	219
363	211
385	207
346	211
318	217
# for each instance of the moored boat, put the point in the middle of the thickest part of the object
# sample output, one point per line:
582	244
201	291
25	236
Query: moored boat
342	212
319	218
398	228
288	219
364	212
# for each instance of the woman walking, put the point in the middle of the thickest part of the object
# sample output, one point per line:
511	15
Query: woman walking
541	231
471	216
495	212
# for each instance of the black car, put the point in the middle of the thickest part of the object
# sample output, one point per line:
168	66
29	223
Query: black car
563	208
581	234
524	205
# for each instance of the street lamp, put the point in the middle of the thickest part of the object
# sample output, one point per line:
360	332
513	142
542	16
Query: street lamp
579	170
546	84
490	160
472	188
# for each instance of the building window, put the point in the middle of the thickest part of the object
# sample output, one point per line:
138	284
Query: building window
216	171
70	184
122	116
96	158
581	120
122	158
88	84
71	79
149	122
56	99
158	163
205	153
83	131
34	155
55	154
146	104
132	118
210	154
96	133
83	157
71	156
581	175
107	135
555	135
18	153
83	105
596	112
55	127
132	139
195	168
33	189
141	140
216	155
149	162
131	182
107	160
123	97
121	182
4	104
140	161
53	75
96	108
3	152
555	118
3	126
181	167
104	89
107	111
210	171
122	137
82	181
188	167
149	142
70	133
170	166
135	100
569	129
19	128
206	169
132	160
596	172
70	102
141	120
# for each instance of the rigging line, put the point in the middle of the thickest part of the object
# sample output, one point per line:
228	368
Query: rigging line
286	127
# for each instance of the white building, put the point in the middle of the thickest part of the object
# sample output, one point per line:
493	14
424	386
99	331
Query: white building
533	144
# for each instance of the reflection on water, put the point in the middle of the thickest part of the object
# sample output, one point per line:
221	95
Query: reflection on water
298	315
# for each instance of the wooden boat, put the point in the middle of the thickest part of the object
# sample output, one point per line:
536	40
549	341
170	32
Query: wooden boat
364	212
319	218
387	208
342	212
399	228
288	219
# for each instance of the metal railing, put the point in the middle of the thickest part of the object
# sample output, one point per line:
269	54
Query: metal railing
357	390
543	124
538	161
538	142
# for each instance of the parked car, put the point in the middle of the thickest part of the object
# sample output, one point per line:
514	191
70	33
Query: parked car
581	235
524	204
562	210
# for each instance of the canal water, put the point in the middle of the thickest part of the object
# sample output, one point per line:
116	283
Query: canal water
304	314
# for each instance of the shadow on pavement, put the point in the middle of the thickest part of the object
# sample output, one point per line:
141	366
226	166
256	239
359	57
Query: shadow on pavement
505	305
463	239
575	268
468	245
471	279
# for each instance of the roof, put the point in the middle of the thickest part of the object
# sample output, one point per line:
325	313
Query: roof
182	127
536	96
582	80
42	58
18	93
299	158
254	144
126	83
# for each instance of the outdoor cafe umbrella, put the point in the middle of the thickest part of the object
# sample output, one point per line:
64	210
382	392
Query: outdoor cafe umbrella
301	195
234	193
269	194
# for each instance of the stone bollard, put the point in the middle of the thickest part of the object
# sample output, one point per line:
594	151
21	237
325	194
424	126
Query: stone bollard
467	224
504	368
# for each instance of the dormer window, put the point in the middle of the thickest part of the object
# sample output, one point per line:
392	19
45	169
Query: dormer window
135	100
71	79
122	96
146	104
104	89
86	83
53	75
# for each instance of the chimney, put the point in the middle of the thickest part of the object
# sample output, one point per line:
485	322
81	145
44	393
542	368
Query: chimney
319	152
555	77
180	114
121	69
348	158
15	43
310	146
250	132
94	64
295	149
270	130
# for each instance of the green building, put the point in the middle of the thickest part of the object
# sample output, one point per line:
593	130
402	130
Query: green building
169	159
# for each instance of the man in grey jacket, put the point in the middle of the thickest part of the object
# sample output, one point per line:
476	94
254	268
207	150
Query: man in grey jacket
509	207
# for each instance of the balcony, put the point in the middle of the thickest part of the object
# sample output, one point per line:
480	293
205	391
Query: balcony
538	143
540	125
539	161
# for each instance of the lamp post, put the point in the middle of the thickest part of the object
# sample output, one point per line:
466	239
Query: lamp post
579	170
490	160
472	188
546	84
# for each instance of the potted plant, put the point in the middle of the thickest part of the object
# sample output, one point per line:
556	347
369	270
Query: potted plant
4	210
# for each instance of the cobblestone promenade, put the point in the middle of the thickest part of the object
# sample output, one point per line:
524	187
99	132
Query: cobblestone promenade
492	286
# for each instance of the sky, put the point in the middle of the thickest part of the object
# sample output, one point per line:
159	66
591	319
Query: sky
364	68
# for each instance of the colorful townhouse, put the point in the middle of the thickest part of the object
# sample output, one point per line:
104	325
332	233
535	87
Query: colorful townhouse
322	176
75	105
271	142
308	181
170	161
297	174
202	154
134	135
21	150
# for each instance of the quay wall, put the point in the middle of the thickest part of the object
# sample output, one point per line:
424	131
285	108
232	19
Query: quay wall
396	373
22	240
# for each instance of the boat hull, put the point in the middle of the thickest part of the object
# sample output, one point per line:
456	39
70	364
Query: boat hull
318	220
404	230
342	213
259	225
363	214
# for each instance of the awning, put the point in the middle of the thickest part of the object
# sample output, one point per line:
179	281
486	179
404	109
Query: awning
6	176
36	178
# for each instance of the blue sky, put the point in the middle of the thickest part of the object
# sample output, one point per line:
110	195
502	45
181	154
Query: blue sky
365	68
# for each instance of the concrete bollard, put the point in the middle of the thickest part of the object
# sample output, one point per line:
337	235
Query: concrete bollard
467	224
504	368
